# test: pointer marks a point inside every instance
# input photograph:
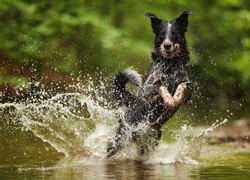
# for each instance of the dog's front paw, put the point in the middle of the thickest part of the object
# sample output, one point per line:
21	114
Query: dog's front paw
166	96
185	83
182	88
183	92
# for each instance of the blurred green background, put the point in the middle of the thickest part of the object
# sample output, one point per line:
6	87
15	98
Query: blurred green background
55	41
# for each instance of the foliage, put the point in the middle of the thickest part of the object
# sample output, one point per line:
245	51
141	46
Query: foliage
75	37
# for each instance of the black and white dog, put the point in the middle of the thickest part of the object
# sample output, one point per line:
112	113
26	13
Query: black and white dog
165	88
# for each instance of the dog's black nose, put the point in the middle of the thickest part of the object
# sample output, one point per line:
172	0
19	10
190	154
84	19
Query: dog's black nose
167	46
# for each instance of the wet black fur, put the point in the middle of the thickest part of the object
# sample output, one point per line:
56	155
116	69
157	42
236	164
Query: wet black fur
147	107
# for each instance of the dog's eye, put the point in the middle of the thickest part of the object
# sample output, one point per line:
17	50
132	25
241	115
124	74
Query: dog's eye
174	33
162	34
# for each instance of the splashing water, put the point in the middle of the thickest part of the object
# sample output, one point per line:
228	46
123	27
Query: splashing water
79	125
186	148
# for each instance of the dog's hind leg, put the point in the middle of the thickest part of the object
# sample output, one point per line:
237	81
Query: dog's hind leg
146	140
141	142
119	141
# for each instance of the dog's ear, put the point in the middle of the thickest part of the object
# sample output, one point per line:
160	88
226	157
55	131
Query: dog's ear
183	18
155	21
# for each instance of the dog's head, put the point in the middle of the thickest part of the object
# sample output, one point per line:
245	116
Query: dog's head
169	34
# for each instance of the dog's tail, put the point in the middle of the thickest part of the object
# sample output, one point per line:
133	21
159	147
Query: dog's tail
119	91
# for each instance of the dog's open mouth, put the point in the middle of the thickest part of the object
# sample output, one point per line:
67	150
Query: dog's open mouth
169	53
172	52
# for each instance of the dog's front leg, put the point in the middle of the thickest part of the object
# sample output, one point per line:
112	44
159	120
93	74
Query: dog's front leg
168	99
181	95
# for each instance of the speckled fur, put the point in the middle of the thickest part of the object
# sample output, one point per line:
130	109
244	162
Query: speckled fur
165	88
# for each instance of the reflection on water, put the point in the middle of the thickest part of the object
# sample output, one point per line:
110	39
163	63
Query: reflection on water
87	168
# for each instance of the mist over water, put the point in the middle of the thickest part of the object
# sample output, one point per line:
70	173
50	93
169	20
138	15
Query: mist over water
80	124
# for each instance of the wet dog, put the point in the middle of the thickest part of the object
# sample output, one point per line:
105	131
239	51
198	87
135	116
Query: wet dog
164	89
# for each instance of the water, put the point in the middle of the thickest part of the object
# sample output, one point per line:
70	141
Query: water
65	137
